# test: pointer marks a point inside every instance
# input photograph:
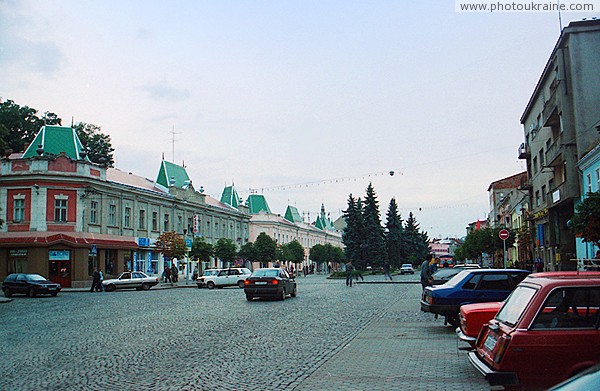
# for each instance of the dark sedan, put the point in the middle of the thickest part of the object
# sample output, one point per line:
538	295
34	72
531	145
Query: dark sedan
29	284
270	282
470	286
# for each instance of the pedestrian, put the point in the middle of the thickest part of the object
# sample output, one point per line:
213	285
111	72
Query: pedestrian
349	269
95	279
358	274
426	275
167	274
386	271
539	265
195	274
99	286
174	273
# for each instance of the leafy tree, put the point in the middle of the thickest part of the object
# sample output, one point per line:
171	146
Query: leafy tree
318	253
394	235
248	252
586	220
326	253
266	248
374	240
22	124
98	145
226	250
297	253
482	241
202	250
4	132
171	245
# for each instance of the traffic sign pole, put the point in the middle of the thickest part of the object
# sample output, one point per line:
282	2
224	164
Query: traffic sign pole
504	234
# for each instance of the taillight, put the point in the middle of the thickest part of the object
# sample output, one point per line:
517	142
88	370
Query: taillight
247	282
429	299
501	346
275	282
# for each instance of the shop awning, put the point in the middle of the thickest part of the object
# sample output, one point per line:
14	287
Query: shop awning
76	239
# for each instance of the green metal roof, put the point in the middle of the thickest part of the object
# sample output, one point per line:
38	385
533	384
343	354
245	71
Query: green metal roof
323	222
230	197
257	203
292	214
172	175
54	140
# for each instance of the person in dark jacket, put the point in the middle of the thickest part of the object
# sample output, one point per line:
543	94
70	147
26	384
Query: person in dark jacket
95	280
349	269
426	274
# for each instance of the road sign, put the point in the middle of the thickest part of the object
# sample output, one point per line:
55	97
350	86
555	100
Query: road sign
93	250
503	234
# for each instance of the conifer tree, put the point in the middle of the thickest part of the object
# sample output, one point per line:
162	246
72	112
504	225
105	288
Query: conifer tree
374	238
416	242
352	237
394	235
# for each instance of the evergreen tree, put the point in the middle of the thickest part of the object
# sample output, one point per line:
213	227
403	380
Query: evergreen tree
352	236
394	235
416	242
374	238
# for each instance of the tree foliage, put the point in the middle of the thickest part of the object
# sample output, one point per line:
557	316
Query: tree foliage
374	241
482	241
326	253
416	242
171	245
201	250
353	236
297	253
248	252
586	220
22	124
266	248
98	145
226	250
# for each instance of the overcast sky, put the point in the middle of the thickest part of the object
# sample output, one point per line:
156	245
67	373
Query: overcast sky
306	101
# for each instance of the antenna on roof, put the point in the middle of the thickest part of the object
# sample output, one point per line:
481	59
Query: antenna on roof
72	120
559	17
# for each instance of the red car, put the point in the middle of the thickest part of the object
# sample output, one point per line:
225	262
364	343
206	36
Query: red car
547	331
472	318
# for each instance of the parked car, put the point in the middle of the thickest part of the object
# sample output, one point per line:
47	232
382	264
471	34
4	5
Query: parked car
546	332
444	275
270	282
472	317
228	277
29	284
201	281
407	268
125	280
470	286
586	380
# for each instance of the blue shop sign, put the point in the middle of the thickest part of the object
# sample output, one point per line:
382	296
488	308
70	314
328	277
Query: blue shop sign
144	242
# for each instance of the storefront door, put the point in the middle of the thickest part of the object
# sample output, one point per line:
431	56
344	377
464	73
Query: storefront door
60	271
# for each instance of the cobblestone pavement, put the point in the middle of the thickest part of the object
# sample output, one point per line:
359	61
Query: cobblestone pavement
368	337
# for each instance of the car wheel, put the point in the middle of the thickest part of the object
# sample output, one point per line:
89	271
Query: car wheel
199	287
31	292
293	294
241	283
210	285
249	297
145	286
53	294
283	294
452	320
7	292
110	288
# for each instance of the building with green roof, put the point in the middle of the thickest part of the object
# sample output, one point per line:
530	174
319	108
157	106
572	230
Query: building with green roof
230	197
257	203
292	215
323	222
171	174
54	140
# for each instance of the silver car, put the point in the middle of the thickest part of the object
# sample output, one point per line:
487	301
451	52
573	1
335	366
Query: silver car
126	280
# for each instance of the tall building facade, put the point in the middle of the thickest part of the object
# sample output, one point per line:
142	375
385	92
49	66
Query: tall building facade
560	126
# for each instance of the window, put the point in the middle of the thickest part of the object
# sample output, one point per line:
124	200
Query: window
535	164
127	217
94	212
598	179
544	193
472	283
112	214
541	158
142	219
60	209
155	221
208	233
19	210
494	282
589	183
179	224
166	222
537	198
569	308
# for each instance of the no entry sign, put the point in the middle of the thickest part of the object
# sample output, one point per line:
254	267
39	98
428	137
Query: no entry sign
503	234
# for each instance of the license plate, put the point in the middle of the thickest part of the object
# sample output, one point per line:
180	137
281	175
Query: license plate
52	289
490	342
261	283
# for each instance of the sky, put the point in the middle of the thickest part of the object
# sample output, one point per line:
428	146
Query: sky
303	101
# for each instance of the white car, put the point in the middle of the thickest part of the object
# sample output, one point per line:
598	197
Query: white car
201	281
228	277
407	268
137	280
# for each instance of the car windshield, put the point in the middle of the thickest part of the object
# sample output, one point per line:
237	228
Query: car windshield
515	305
445	273
35	277
457	278
266	273
407	265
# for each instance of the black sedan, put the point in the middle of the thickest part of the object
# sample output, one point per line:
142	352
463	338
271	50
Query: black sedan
270	282
29	284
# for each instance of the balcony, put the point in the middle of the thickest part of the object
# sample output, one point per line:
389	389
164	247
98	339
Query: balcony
524	152
525	185
554	151
562	193
550	111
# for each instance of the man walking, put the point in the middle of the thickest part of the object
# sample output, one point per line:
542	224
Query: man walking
349	269
426	275
386	271
95	280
